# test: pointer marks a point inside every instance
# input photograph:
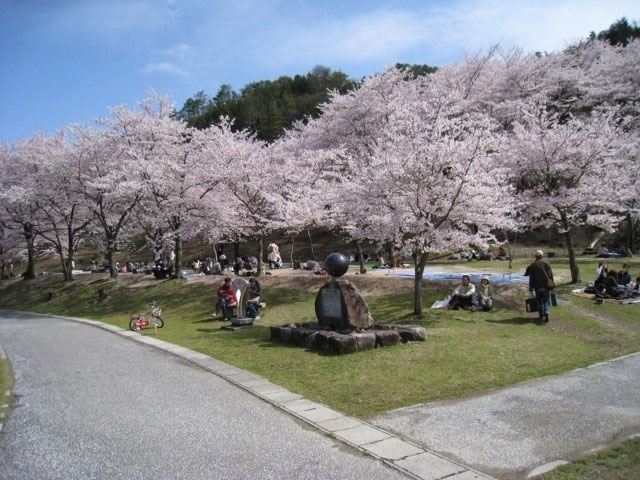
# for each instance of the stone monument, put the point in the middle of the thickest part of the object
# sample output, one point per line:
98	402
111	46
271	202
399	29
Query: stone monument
344	323
339	305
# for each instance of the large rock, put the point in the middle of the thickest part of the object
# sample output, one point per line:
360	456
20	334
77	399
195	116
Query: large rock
412	333
299	334
341	344
366	341
386	338
340	306
408	333
311	341
322	338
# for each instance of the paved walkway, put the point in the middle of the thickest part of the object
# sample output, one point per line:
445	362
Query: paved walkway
89	404
522	430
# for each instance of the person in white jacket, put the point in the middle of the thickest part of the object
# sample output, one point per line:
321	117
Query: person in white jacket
463	296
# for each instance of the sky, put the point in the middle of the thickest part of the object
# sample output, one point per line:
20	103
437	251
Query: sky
64	62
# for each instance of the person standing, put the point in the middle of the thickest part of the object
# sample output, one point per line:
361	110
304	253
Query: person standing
273	255
541	282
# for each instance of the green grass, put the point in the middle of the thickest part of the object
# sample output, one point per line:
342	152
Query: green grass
6	383
618	463
464	352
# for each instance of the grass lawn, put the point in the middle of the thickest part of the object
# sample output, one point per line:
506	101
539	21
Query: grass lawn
619	463
464	351
6	382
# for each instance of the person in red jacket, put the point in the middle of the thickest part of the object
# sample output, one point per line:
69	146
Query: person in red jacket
226	296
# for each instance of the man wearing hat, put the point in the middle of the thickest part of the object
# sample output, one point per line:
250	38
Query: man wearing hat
541	282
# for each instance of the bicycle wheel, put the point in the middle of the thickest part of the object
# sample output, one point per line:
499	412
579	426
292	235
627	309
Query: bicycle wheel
132	324
159	322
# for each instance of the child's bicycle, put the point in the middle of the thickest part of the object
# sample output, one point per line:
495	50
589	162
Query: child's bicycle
138	321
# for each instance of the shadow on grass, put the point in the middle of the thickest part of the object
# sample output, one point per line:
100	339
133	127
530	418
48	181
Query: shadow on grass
517	321
206	320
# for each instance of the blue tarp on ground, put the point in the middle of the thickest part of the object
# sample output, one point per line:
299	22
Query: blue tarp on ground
475	277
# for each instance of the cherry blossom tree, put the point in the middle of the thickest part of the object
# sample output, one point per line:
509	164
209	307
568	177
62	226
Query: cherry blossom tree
18	194
108	181
254	183
413	162
567	172
62	218
175	176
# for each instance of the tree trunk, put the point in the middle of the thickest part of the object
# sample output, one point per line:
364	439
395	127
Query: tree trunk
361	257
177	267
392	255
631	237
236	250
69	270
293	239
111	256
573	264
419	261
260	254
65	265
30	273
215	253
313	256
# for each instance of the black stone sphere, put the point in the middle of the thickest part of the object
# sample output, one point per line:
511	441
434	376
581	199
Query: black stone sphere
336	264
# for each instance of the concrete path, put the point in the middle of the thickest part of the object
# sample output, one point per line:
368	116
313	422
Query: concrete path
89	404
526	429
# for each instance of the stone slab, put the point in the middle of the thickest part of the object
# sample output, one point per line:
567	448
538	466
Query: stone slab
321	414
392	449
341	423
429	466
546	468
300	405
362	435
267	388
469	475
282	397
255	382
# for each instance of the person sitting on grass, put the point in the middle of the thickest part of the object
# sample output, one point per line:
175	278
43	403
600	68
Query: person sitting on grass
463	296
253	303
610	288
624	276
484	294
226	296
635	291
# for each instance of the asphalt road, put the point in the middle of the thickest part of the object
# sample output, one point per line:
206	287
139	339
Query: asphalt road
92	405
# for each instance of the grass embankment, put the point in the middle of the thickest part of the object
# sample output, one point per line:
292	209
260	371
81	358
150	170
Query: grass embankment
6	382
619	463
464	352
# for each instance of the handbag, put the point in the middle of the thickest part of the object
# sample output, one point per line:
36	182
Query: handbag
531	304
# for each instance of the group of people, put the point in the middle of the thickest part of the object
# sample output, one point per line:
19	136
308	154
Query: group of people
469	297
615	284
483	254
226	295
541	284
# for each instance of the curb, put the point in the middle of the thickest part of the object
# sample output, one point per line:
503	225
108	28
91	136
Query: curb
412	460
